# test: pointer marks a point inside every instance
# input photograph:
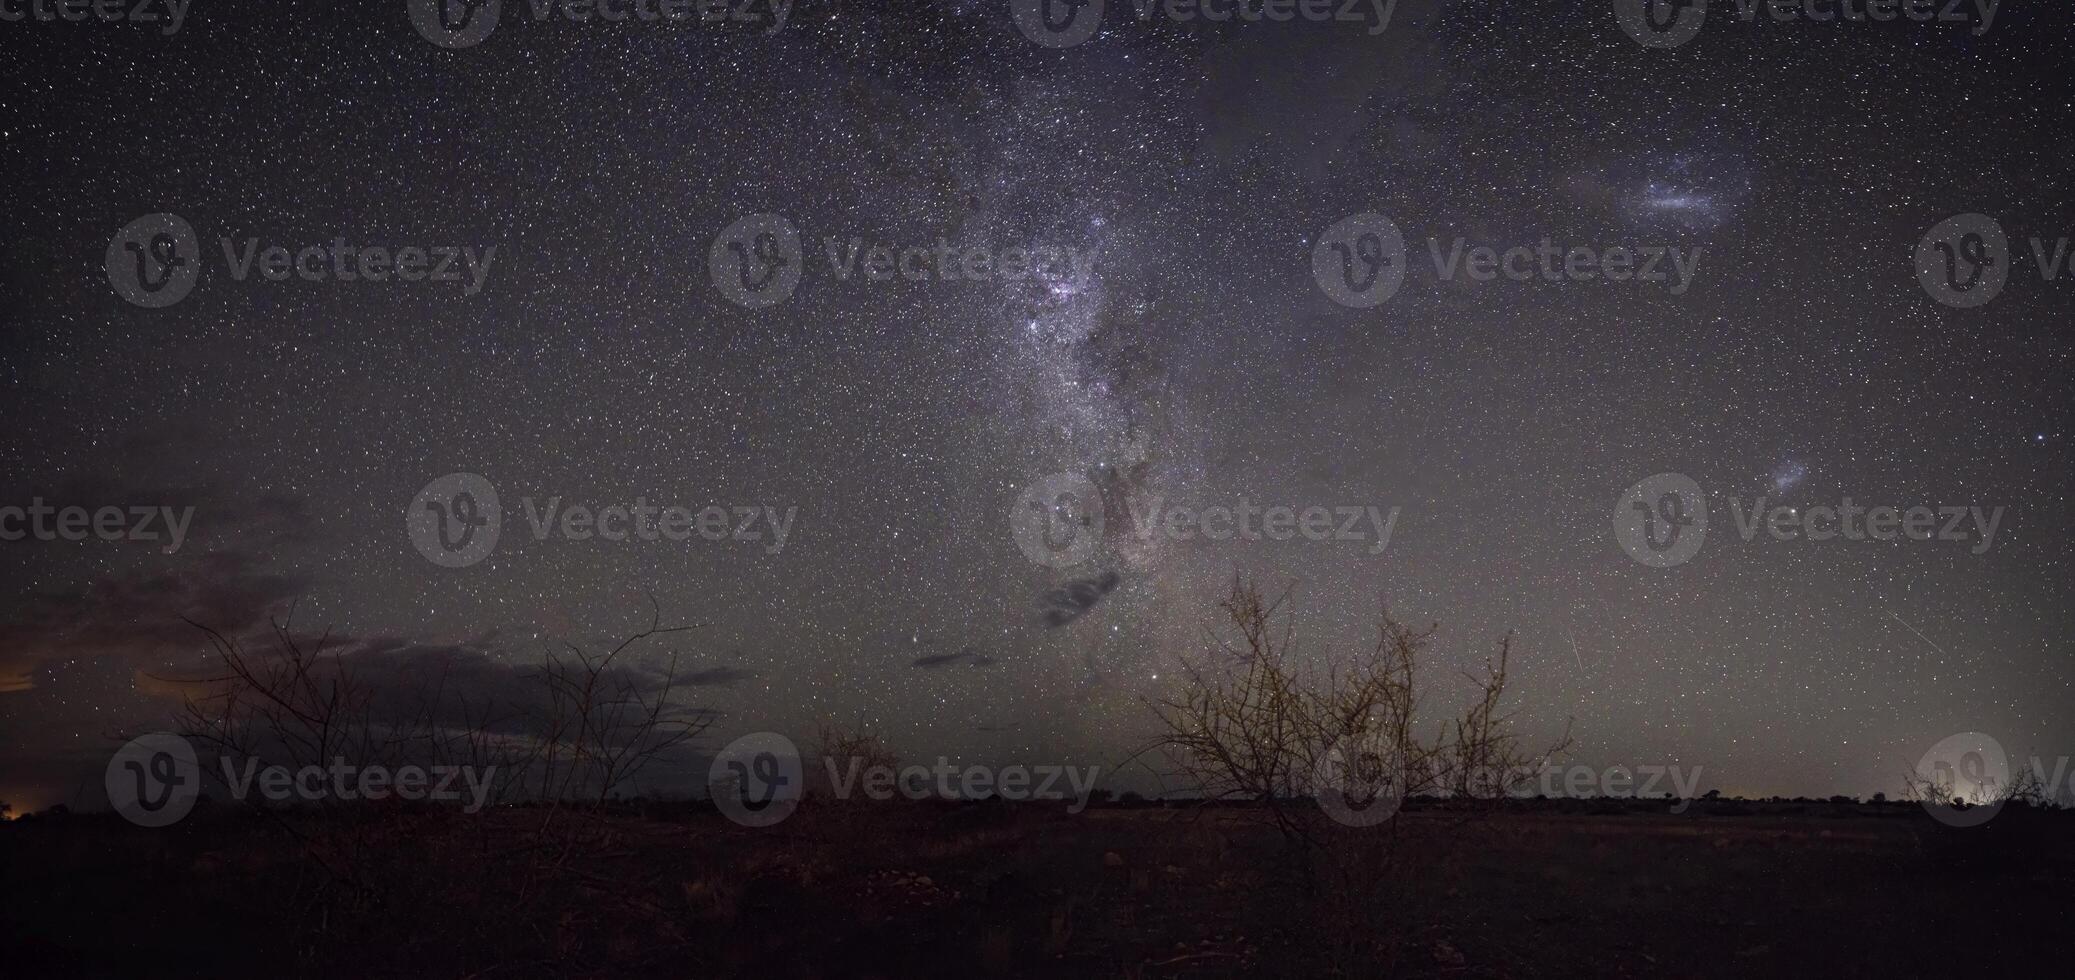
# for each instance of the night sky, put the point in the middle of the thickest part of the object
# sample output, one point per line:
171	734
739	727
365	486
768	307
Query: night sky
1197	363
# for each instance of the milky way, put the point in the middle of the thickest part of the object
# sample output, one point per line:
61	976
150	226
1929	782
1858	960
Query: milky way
1195	363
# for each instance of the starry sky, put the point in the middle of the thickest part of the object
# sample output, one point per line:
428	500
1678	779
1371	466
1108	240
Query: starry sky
1198	363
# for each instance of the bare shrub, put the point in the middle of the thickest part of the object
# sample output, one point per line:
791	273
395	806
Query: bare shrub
851	749
582	729
1251	722
599	728
2025	788
572	734
848	824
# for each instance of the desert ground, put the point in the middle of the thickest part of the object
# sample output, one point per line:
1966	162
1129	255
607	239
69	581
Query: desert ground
1530	889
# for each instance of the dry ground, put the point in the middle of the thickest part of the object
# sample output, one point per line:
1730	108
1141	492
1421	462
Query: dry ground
905	890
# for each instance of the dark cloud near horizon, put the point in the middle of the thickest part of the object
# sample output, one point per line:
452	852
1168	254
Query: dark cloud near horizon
967	656
476	684
140	617
722	676
1073	600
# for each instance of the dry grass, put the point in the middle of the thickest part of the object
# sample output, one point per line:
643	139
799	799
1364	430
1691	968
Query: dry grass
1529	890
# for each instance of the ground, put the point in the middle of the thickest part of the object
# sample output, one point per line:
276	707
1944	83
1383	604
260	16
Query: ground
929	889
